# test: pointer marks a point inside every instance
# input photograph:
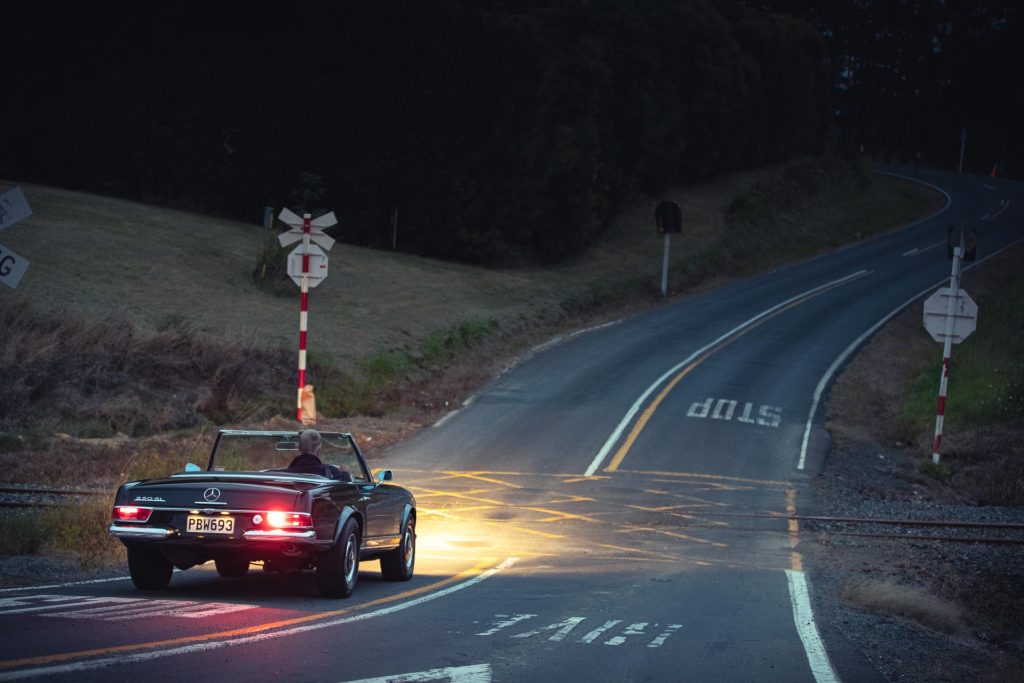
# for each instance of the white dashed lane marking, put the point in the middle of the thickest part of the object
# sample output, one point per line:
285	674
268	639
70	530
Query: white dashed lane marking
114	609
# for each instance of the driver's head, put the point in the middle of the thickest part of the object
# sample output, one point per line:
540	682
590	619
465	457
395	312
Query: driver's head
310	442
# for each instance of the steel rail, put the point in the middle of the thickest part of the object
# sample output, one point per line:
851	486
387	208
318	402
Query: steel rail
54	492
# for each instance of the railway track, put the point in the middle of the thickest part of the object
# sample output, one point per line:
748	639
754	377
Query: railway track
14	497
1009	533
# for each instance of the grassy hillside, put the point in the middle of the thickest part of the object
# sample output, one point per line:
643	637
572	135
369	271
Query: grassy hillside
157	268
134	319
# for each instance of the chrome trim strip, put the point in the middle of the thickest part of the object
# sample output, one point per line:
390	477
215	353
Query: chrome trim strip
256	535
141	532
230	476
388	542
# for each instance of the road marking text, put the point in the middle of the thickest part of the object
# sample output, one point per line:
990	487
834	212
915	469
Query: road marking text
561	630
725	409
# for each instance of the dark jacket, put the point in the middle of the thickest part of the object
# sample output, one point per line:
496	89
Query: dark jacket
307	463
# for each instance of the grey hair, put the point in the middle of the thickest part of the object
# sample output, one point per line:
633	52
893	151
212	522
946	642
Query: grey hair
310	441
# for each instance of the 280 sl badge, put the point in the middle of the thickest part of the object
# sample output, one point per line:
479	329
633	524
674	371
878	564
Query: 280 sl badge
149	499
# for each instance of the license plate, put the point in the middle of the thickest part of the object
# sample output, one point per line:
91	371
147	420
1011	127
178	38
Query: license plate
200	524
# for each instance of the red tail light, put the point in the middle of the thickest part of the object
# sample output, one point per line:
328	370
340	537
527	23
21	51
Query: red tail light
131	513
283	520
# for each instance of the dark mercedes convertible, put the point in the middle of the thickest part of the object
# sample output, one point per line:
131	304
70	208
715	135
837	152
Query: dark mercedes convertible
248	507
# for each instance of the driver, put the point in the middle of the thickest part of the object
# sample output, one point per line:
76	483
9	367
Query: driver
308	460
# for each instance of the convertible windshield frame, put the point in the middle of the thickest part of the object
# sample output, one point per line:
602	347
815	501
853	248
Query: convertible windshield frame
241	451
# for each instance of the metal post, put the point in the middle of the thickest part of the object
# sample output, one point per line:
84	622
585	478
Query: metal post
664	266
303	311
947	346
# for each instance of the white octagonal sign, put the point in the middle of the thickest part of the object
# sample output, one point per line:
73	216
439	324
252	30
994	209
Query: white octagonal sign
965	315
317	265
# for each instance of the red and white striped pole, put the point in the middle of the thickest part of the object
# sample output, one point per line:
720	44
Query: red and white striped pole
303	311
947	346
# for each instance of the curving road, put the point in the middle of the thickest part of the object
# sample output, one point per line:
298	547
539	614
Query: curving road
614	508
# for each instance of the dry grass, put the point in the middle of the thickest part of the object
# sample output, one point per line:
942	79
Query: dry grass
908	602
157	268
102	377
77	530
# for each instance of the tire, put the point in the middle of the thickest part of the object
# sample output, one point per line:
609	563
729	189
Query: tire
338	569
398	564
150	570
232	566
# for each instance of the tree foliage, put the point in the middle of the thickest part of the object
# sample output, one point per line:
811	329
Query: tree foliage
502	131
910	76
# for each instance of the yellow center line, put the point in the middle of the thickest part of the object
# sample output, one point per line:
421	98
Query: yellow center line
576	480
719	477
460	496
646	416
477	477
795	561
249	630
558	515
633	528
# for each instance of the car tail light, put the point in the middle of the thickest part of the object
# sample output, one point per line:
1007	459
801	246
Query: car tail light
131	513
283	520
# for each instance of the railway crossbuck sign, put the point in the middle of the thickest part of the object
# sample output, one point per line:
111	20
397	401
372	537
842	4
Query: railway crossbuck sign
965	315
307	266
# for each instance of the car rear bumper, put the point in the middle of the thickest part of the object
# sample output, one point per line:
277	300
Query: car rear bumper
141	532
155	533
308	536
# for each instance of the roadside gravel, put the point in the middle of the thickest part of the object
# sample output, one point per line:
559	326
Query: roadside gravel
918	609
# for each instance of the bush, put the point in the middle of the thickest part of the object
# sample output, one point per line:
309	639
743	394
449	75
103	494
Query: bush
97	379
271	270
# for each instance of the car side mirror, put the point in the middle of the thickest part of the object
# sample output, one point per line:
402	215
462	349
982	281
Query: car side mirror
383	476
192	467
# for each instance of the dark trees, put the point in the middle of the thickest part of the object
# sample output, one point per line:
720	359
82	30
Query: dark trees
501	131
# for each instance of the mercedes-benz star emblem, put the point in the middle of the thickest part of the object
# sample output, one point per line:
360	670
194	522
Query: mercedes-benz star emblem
211	495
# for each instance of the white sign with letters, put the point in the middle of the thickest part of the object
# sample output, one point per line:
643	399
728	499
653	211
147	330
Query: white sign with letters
13	207
12	267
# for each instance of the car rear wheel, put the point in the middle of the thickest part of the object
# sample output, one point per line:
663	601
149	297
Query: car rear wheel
398	564
232	566
150	570
338	569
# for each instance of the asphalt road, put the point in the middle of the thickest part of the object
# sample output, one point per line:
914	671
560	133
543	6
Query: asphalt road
610	509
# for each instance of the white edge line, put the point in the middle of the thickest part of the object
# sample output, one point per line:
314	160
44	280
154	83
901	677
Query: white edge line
803	617
555	341
1004	207
949	200
62	585
446	417
216	644
888	233
613	439
826	378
